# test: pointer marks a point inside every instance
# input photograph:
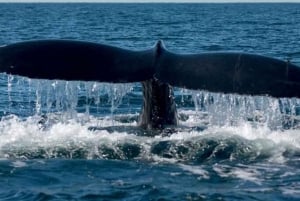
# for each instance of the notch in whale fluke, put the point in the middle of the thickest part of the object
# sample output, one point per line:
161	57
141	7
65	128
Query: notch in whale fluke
218	72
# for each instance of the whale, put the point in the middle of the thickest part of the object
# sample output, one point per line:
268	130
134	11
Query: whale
157	69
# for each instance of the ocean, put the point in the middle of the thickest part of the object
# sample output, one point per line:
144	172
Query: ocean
75	140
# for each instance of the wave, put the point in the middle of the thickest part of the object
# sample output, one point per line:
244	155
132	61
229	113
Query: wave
114	139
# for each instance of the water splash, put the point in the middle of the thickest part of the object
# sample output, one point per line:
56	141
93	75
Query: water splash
53	119
232	109
26	139
10	79
41	97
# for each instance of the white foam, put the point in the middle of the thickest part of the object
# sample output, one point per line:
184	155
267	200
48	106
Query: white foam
27	134
248	174
292	190
19	164
197	170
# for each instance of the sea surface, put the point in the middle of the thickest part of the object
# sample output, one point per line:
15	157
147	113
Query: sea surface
78	140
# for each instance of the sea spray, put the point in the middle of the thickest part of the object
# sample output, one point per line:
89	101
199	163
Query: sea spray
233	109
92	98
69	97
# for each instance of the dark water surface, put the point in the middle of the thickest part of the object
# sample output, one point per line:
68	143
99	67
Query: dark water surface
79	141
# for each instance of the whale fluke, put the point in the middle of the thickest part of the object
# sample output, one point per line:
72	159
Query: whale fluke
76	60
218	72
239	73
157	68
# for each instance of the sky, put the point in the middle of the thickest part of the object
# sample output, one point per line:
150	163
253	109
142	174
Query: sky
197	1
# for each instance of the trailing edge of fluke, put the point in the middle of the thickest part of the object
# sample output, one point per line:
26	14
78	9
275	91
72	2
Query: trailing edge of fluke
157	68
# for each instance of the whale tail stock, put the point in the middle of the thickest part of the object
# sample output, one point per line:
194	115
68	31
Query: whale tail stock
157	68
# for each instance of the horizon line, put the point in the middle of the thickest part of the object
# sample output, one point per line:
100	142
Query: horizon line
149	1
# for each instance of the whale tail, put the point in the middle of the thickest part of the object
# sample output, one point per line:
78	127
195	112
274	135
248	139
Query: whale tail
218	72
157	68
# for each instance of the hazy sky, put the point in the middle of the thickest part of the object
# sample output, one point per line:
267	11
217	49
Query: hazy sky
150	1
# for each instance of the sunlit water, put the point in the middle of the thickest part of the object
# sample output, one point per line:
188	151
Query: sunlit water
64	140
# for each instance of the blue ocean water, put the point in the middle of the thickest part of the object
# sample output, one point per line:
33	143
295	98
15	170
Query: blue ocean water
79	141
